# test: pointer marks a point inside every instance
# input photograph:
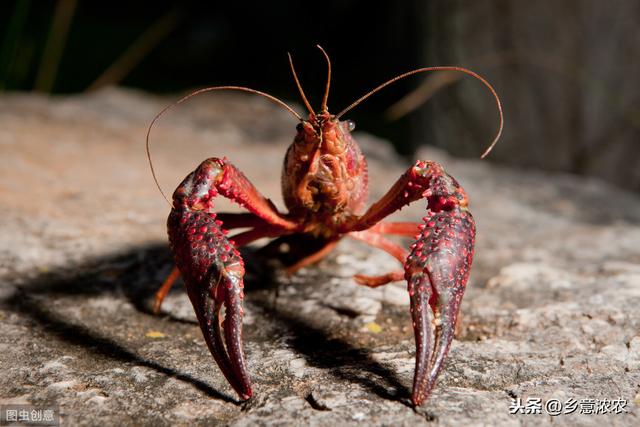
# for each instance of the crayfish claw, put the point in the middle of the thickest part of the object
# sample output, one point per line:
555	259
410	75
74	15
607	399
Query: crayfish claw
420	293
212	270
233	335
437	271
227	352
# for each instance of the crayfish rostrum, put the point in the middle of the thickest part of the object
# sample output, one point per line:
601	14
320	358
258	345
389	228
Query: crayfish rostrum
324	184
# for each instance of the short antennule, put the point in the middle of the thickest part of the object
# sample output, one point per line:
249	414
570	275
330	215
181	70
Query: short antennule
295	77
323	107
443	68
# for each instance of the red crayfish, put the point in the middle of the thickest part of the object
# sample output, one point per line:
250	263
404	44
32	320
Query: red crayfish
324	184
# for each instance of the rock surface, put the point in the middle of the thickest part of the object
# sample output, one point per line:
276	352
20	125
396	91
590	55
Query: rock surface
550	312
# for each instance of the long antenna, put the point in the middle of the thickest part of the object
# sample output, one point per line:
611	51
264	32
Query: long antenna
323	107
444	68
191	95
295	77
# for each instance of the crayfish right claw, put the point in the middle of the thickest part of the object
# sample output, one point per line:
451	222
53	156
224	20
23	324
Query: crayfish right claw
437	271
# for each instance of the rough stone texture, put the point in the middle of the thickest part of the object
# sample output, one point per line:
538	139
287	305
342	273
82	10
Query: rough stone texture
551	310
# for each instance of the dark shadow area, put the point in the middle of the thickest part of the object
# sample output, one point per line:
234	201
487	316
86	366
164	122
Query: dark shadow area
337	356
93	342
89	279
137	274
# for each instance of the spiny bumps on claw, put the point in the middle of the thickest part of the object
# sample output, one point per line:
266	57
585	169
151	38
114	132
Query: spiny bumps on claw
196	236
205	243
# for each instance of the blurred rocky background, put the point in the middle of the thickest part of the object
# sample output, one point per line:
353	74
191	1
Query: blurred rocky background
565	70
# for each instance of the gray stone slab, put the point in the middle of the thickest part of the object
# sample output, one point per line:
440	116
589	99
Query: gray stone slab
550	311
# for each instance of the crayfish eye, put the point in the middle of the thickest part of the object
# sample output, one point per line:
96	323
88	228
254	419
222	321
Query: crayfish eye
351	125
299	127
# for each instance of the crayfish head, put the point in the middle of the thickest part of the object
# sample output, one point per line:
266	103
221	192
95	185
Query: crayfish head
324	170
322	134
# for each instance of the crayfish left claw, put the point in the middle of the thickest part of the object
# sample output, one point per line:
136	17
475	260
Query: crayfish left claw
222	286
212	270
437	271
